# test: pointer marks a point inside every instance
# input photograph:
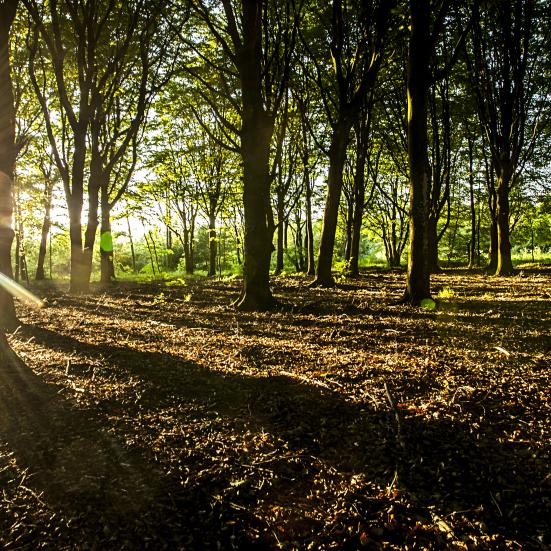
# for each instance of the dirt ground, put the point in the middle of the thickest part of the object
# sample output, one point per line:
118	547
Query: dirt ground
157	417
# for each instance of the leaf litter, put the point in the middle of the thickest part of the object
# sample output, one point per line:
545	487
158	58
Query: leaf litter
155	416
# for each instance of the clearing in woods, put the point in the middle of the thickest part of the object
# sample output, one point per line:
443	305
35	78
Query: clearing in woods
156	416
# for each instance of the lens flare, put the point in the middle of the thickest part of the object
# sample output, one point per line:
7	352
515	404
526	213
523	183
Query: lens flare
20	292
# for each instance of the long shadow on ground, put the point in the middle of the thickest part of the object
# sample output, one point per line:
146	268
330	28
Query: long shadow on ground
212	486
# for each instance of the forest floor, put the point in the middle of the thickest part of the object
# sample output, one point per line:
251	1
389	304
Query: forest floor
156	416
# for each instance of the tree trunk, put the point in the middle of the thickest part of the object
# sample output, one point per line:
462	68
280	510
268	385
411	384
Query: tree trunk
255	142
337	158
432	236
46	225
472	242
256	133
504	262
418	275
280	247
359	200
79	277
150	251
212	243
8	318
107	266
17	267
492	254
132	251
299	241
311	269
349	223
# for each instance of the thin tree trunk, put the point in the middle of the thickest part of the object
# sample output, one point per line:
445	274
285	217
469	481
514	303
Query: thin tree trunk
212	243
492	254
280	247
298	246
46	225
132	251
17	237
154	247
311	269
107	266
359	201
150	254
472	242
362	130
349	223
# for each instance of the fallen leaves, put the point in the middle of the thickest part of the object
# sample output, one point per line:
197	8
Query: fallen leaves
276	430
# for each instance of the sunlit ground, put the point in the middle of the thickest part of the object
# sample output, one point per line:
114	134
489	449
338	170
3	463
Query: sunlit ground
338	420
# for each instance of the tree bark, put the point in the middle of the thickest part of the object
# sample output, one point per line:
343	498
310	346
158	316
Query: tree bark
311	269
132	251
8	317
213	249
504	262
280	247
45	232
94	185
337	159
432	237
256	133
359	201
107	266
418	275
349	223
492	253
79	282
472	242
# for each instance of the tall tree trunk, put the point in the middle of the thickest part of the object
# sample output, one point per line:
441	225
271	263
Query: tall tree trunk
472	242
256	133
362	130
504	262
349	223
46	225
418	275
107	266
359	201
75	200
311	269
492	253
150	251
213	249
255	144
17	236
8	318
299	246
337	158
280	247
90	235
432	237
132	250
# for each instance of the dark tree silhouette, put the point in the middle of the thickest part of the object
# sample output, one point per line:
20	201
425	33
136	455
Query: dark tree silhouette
8	8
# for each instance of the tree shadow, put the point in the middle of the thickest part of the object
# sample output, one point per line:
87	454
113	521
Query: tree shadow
444	463
74	471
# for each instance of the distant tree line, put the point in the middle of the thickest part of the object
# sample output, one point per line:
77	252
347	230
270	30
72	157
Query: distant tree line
274	131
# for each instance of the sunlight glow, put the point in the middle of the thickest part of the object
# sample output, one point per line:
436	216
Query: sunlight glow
20	292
